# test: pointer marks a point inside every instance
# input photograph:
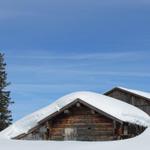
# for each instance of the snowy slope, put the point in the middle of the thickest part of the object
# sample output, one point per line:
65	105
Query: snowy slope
137	92
114	107
138	143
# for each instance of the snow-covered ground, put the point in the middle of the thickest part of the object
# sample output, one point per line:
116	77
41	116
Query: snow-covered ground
141	142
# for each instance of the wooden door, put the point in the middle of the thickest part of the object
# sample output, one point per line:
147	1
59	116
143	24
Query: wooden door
70	134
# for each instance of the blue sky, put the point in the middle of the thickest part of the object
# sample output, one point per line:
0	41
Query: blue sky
53	47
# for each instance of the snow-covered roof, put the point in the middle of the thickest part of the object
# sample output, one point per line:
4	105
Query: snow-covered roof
136	92
118	109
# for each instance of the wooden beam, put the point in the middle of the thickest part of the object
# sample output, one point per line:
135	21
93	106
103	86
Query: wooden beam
78	104
66	111
92	111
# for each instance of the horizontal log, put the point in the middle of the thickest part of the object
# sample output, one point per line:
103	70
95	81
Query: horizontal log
94	138
85	128
97	125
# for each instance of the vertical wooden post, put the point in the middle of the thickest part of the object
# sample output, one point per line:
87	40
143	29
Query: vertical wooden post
114	128
50	129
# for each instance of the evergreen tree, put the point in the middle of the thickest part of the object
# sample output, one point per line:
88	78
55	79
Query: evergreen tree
5	100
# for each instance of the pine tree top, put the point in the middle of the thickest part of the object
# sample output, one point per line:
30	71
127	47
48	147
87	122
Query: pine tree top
5	100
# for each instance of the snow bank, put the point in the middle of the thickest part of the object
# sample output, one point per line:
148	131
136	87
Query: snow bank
138	143
114	107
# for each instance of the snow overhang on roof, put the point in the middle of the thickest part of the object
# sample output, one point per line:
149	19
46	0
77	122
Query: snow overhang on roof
113	107
143	94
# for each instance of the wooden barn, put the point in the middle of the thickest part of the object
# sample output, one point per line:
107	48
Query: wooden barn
81	116
137	98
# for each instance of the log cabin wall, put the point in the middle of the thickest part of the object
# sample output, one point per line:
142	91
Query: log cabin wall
83	124
130	98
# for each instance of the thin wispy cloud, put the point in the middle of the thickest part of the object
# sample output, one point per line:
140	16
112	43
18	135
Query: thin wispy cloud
75	71
84	56
45	88
84	69
40	90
